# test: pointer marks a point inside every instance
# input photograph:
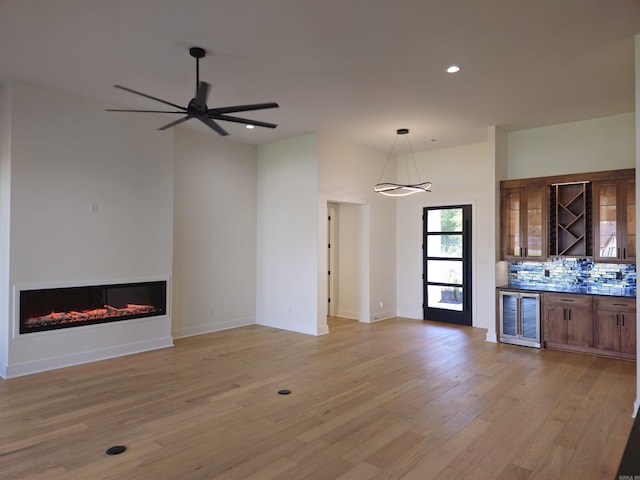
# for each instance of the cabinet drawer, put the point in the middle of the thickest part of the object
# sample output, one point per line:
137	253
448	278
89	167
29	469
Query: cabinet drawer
568	300
616	303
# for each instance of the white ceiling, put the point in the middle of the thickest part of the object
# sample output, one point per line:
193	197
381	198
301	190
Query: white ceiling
356	69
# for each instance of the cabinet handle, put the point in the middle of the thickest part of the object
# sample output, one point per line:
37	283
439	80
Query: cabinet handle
564	313
622	315
569	314
624	253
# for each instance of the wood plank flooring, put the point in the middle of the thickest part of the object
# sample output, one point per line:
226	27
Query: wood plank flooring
400	399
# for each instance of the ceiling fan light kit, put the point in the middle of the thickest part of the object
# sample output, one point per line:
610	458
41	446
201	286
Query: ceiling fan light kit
393	188
197	106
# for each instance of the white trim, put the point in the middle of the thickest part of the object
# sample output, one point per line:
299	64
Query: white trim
378	317
213	327
353	315
53	363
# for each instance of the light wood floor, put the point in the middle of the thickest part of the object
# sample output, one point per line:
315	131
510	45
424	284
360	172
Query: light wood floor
399	399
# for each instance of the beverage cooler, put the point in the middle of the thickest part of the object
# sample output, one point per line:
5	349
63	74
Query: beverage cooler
520	318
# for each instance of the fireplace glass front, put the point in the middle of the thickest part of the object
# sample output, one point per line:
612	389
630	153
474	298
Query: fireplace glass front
54	308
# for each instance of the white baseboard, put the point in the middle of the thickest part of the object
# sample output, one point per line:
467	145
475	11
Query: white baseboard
380	316
37	366
491	337
212	327
348	314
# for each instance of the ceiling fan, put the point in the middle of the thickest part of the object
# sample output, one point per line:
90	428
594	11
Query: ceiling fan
197	107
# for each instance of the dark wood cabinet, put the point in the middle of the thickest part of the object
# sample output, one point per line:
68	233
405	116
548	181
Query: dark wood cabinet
578	215
568	321
614	220
523	226
594	324
615	326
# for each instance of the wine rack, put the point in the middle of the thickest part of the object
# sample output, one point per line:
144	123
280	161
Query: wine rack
570	220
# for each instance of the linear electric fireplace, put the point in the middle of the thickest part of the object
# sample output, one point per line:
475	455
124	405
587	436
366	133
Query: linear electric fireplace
54	308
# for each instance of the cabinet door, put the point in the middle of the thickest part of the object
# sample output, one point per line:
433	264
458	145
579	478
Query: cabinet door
511	223
523	223
533	232
530	317
607	330
555	324
606	210
615	220
579	327
628	226
628	332
509	317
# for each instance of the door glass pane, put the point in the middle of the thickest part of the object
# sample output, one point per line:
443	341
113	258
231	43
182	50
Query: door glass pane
530	322
445	220
449	298
534	222
608	243
509	314
444	246
631	219
512	218
444	271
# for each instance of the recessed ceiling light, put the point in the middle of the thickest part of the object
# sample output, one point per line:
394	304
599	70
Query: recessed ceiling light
453	69
249	126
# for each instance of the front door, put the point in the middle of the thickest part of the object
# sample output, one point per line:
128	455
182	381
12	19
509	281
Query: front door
447	264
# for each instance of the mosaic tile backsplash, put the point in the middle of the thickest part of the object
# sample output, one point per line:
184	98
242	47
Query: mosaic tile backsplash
565	273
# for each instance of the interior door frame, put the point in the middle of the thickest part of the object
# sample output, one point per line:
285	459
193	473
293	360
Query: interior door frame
464	317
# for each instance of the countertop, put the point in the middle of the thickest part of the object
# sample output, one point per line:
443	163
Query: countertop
578	290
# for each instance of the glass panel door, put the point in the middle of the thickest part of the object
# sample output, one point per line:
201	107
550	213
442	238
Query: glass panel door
447	264
608	226
530	315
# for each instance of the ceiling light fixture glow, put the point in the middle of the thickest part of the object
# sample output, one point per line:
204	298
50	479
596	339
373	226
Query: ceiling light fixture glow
453	69
249	126
393	189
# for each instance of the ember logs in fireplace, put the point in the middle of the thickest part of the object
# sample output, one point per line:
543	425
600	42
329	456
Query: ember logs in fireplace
53	308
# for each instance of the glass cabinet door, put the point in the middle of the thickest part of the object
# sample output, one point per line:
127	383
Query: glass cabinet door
534	198
530	317
511	219
509	314
607	221
630	224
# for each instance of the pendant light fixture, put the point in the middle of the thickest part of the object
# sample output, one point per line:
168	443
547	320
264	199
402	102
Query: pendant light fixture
393	189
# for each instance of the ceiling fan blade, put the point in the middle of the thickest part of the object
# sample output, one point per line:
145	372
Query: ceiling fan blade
141	111
243	108
176	122
149	96
245	121
202	93
214	126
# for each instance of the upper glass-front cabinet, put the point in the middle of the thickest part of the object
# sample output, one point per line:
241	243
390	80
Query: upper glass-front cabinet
523	214
615	220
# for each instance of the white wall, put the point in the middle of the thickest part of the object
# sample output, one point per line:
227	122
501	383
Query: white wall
5	219
606	143
348	262
287	235
215	214
347	173
460	176
66	153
